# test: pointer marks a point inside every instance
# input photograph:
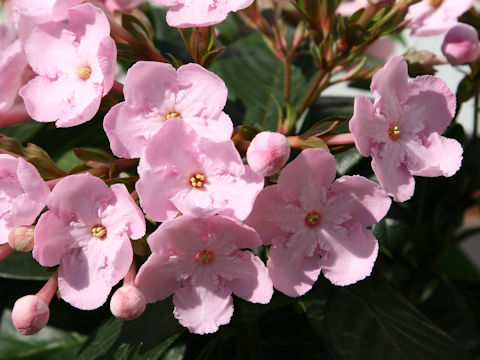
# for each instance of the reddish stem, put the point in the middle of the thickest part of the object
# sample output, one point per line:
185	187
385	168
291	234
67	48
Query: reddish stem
5	250
13	118
49	289
129	278
339	139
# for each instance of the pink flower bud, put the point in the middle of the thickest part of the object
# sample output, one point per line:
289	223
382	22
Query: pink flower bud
268	152
21	238
127	303
30	314
461	45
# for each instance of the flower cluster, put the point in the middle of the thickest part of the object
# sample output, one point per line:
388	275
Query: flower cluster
215	208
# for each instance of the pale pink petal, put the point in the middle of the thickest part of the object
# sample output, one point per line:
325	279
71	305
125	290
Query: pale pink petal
107	59
50	92
124	214
197	14
392	174
431	103
219	127
156	204
310	170
240	201
148	84
117	251
247	276
158	277
363	114
202	93
229	231
88	23
32	183
292	275
202	309
441	156
80	279
89	198
388	98
12	66
128	130
50	50
351	258
363	199
52	239
269	213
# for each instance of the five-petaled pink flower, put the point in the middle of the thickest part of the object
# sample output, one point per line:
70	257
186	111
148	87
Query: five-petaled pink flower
156	92
191	13
401	130
87	230
433	17
23	194
202	261
75	63
315	225
182	172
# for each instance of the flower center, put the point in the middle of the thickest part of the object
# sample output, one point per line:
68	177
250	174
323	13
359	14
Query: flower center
312	219
204	256
173	114
394	132
435	3
84	73
197	180
99	231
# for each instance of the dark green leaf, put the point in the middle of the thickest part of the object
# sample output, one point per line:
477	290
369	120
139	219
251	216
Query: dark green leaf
22	266
49	344
24	131
147	337
370	320
255	77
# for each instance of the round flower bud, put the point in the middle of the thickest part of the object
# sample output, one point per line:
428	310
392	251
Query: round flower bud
21	238
461	45
268	152
30	314
127	303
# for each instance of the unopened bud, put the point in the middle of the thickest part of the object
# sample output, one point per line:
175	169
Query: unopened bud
268	152
127	303
461	45
21	238
30	314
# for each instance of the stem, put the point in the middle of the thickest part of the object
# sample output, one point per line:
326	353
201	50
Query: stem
321	82
286	77
339	139
117	87
129	278
13	118
5	250
48	290
475	117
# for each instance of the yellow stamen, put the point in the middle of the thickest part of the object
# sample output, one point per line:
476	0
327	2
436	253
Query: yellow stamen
204	256
173	114
394	132
312	219
99	231
84	73
436	3
197	180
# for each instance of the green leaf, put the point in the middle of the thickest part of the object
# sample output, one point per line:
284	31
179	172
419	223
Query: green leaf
370	320
24	131
22	266
49	344
391	235
254	76
147	337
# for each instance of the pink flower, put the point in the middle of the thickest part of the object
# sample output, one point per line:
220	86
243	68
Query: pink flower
44	11
268	152
23	194
114	5
200	261
87	230
401	130
14	71
181	172
187	13
433	17
75	64
314	225
156	92
461	44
